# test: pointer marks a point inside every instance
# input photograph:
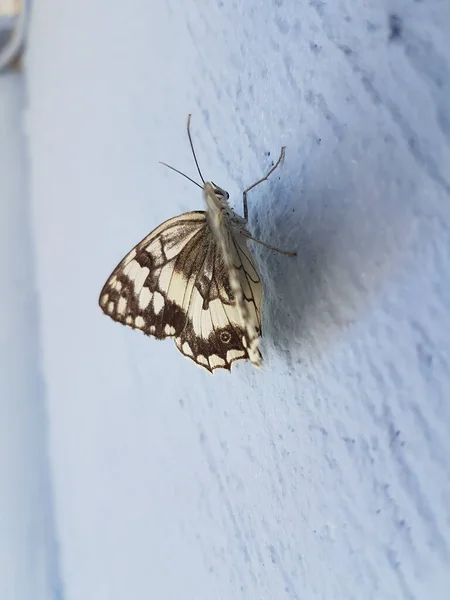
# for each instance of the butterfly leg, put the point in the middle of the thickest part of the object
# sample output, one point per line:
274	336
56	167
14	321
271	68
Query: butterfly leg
272	247
266	176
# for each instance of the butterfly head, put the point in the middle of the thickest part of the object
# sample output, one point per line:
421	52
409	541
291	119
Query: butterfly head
217	194
216	200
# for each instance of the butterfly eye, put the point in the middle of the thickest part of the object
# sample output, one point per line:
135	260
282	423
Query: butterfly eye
225	337
220	192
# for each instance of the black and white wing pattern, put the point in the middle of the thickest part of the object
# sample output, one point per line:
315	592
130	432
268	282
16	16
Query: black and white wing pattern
178	283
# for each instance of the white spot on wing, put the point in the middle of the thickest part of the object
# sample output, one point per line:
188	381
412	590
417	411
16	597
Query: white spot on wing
216	361
177	289
104	299
140	278
195	311
155	248
121	306
158	302
110	307
206	324
129	320
232	313
187	349
132	269
139	322
165	276
169	330
144	298
202	360
218	314
235	354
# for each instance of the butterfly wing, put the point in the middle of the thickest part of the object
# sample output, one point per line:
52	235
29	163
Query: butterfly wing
144	291
176	283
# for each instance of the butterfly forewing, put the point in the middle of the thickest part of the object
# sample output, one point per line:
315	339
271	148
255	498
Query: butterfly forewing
144	290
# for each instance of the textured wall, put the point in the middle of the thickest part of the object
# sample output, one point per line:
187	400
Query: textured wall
326	474
28	557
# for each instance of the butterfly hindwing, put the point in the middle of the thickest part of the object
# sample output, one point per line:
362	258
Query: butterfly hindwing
230	231
214	335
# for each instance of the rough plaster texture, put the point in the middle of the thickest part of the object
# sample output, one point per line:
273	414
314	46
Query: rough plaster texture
326	474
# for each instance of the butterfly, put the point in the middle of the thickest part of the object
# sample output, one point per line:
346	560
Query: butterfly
194	279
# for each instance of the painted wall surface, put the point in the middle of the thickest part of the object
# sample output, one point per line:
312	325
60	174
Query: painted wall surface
325	475
29	559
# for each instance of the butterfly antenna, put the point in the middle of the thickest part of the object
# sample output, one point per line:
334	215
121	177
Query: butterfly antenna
180	173
192	147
